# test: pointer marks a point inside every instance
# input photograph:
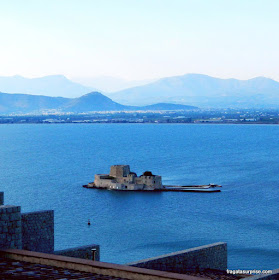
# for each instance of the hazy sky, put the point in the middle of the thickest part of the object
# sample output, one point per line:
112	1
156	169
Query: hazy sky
138	39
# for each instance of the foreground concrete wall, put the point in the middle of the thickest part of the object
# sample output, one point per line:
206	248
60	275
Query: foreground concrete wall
38	231
10	227
108	269
213	256
90	252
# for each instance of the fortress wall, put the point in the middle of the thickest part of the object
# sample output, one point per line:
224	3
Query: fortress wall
38	231
10	227
152	181
158	181
104	183
34	231
83	252
213	256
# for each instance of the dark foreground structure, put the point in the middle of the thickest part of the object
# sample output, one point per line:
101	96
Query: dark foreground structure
27	252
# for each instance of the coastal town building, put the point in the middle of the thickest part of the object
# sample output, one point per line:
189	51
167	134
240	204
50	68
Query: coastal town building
121	178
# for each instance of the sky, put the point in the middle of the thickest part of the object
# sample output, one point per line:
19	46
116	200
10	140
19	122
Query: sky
139	39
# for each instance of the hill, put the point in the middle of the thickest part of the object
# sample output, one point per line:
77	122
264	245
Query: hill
94	101
26	103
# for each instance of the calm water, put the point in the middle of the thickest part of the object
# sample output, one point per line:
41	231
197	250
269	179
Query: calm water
44	166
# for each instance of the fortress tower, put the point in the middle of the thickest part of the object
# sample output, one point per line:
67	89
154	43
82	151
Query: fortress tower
119	171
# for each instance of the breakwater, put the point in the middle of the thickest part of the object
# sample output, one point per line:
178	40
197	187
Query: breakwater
167	188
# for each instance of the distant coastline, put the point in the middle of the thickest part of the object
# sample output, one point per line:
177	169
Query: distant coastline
144	123
201	116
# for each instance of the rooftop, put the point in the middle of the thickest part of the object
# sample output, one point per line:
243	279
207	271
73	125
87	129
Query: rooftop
11	269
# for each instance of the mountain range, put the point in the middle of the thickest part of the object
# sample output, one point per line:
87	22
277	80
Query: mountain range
59	93
94	101
203	91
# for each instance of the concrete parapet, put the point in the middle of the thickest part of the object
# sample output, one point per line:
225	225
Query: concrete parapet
10	227
213	256
91	252
38	231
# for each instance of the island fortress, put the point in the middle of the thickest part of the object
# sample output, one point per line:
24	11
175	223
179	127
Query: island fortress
121	178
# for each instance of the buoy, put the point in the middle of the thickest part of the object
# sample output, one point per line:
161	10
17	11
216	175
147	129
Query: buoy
89	222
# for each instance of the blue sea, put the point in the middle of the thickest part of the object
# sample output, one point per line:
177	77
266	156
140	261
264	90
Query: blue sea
43	166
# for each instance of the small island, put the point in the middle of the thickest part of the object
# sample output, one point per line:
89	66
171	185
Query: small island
121	178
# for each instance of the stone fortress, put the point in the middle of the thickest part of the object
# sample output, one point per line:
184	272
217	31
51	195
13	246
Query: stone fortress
121	178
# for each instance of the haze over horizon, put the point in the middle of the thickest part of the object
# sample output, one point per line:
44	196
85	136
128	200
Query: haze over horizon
137	41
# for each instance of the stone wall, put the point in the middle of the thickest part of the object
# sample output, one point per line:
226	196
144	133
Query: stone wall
213	256
83	252
34	231
10	227
38	231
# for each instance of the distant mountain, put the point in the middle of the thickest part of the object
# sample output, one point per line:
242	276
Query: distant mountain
54	85
202	90
94	101
168	106
110	84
